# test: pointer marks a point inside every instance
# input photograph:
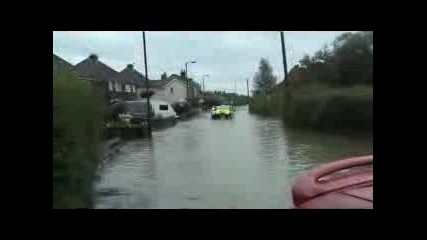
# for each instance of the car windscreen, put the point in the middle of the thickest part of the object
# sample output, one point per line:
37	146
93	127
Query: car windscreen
223	107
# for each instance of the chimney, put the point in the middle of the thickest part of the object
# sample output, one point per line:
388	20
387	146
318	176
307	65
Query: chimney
164	76
129	66
93	57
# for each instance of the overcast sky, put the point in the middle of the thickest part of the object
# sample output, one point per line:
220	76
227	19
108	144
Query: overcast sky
225	56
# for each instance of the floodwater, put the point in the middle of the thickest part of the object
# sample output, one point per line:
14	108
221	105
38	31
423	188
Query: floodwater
246	162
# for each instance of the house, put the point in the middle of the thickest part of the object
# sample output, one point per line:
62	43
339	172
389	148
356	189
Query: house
110	81
130	80
128	84
61	64
171	89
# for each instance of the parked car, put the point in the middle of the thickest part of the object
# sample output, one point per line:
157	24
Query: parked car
136	111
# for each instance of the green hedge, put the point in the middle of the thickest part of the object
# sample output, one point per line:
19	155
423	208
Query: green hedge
77	121
267	105
320	107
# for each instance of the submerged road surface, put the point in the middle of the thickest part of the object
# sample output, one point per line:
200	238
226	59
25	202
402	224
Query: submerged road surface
245	162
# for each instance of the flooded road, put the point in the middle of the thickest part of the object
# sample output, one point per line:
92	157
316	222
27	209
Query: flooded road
245	162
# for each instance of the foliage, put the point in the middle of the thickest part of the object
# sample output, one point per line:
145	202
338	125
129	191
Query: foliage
267	104
330	91
77	122
181	107
264	80
305	61
319	107
212	100
348	63
222	97
113	110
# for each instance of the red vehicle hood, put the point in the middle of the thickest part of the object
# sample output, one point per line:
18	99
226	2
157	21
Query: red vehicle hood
336	185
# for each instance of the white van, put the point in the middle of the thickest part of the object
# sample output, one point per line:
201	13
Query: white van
162	109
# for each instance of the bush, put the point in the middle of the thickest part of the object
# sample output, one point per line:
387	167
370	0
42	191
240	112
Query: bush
268	105
319	107
77	121
326	108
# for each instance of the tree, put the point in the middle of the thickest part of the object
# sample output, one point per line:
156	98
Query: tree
323	55
350	62
305	61
353	56
341	39
264	80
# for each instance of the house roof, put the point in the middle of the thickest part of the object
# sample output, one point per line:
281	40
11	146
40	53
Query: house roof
96	70
172	76
179	78
93	69
131	75
159	83
59	63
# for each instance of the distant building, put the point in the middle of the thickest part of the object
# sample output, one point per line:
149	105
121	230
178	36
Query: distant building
171	89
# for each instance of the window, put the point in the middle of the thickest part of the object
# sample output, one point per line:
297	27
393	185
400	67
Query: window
118	87
164	107
113	86
171	90
110	86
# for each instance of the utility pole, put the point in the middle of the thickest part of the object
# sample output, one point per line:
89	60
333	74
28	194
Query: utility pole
203	81
186	80
147	87
285	67
247	87
186	76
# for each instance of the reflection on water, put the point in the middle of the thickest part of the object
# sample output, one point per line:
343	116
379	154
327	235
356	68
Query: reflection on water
127	181
308	149
245	162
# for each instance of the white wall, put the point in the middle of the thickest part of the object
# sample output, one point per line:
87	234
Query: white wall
179	91
164	94
159	95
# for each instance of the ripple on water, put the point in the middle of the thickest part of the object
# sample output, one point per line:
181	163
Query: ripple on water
246	162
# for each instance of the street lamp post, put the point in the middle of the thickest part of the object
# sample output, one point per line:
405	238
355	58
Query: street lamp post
186	75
